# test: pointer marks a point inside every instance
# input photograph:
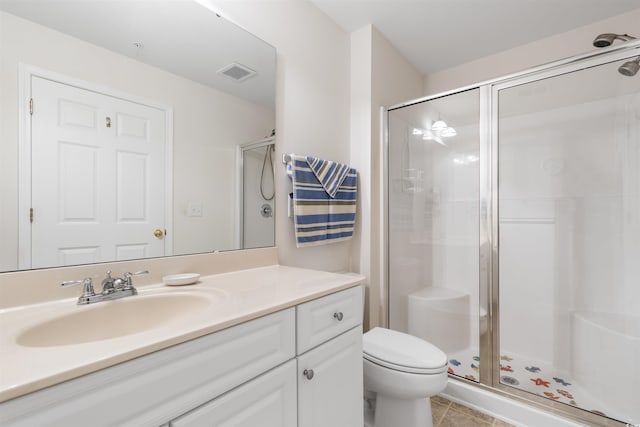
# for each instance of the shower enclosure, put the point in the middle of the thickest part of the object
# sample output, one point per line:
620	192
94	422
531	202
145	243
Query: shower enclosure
513	233
256	226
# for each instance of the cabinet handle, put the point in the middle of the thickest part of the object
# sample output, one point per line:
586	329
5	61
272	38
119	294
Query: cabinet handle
338	316
308	373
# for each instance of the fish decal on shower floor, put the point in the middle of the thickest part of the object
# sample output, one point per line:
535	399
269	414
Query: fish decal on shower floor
476	358
561	381
551	395
454	362
506	368
507	358
451	371
475	367
565	393
539	381
509	380
470	377
532	369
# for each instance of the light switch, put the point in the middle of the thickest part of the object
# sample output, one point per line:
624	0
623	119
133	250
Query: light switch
194	209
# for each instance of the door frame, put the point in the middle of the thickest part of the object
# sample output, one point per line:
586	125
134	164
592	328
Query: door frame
25	74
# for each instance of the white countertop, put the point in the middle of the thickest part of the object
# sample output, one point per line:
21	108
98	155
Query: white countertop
242	296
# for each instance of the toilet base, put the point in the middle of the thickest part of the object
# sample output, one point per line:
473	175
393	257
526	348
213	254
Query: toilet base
393	412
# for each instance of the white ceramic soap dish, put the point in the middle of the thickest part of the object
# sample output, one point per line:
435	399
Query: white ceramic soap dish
181	279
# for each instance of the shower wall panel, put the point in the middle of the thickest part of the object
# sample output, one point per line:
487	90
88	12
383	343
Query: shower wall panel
568	230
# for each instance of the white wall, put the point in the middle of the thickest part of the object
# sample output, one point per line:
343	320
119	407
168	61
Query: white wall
312	104
206	130
569	212
539	52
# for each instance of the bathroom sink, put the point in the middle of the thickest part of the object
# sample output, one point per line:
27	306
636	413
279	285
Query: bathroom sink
113	319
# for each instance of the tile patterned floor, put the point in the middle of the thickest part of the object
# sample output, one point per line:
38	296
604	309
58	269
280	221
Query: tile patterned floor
450	414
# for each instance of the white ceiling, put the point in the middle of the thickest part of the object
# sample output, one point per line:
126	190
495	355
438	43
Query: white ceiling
438	34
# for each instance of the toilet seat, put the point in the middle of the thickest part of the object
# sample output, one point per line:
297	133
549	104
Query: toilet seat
402	352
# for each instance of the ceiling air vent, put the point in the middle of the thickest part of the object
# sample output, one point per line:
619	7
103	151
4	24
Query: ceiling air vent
237	72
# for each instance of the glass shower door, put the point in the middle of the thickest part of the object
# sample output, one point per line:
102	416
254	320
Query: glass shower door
569	239
434	154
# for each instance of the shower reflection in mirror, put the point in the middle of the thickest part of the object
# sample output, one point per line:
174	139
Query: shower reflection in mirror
257	193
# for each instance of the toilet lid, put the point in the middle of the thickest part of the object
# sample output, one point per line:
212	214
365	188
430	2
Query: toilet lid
402	352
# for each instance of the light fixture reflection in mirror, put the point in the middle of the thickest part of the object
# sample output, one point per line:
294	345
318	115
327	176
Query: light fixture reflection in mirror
138	130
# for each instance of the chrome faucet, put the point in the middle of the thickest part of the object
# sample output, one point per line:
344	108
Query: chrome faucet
112	288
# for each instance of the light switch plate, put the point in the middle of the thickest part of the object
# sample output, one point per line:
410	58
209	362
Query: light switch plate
194	209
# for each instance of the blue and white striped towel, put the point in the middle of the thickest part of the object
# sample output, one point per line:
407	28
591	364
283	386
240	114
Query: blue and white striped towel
319	217
330	174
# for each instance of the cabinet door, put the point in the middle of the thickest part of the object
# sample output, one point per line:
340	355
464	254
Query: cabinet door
332	394
267	401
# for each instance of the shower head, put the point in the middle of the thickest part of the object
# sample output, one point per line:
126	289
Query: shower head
630	68
607	39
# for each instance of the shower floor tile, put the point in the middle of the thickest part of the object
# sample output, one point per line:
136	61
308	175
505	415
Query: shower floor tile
527	375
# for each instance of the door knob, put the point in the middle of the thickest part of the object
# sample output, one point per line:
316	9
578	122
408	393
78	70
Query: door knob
158	233
308	373
338	316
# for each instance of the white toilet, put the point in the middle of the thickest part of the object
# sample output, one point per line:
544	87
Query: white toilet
401	373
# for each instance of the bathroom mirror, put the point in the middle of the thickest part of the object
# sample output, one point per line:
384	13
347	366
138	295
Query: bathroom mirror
121	130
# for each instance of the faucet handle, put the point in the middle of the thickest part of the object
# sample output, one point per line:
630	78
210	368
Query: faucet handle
87	286
128	284
137	273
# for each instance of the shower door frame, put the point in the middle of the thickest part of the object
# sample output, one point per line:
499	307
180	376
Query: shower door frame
489	218
552	71
240	149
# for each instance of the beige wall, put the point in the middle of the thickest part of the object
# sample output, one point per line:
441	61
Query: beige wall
312	104
331	86
529	55
206	130
380	76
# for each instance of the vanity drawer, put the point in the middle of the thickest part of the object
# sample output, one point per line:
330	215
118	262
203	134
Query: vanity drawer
320	320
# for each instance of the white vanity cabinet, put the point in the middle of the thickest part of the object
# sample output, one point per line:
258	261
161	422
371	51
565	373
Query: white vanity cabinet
153	389
329	344
327	372
248	375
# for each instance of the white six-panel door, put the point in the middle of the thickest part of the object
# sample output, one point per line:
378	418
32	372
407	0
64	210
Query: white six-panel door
98	183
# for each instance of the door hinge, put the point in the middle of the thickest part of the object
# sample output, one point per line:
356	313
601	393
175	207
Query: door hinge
31	106
31	215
